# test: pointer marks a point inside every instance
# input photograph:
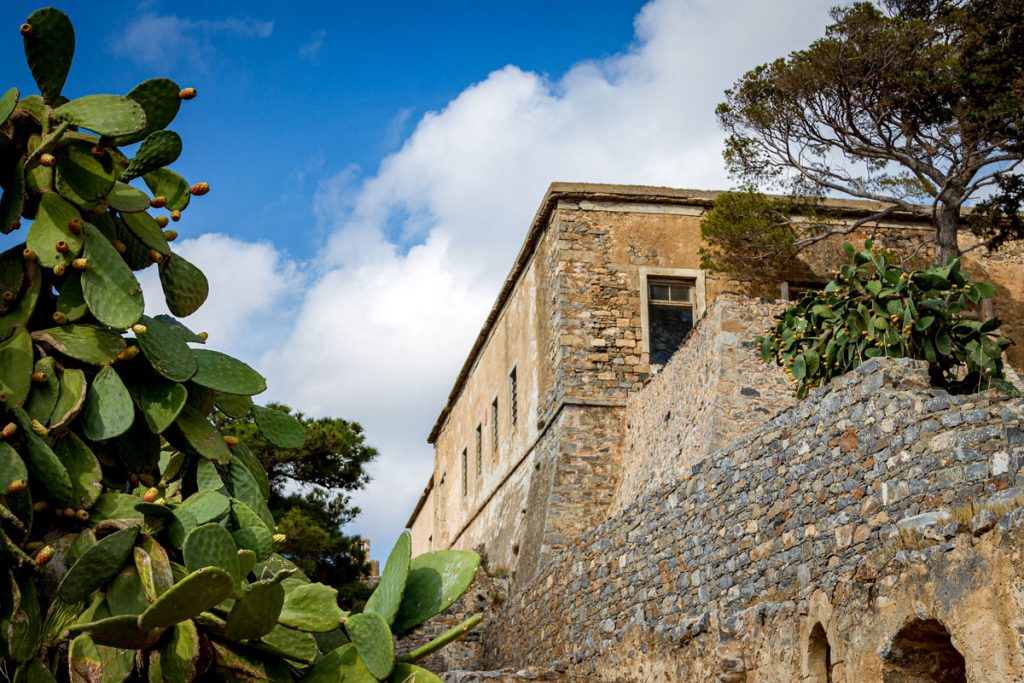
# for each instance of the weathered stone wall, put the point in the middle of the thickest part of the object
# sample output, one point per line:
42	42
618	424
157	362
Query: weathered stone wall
714	390
808	504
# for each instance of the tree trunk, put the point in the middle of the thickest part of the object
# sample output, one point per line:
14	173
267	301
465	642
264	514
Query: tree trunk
947	220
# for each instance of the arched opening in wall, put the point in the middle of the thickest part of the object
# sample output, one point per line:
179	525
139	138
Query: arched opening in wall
923	652
819	656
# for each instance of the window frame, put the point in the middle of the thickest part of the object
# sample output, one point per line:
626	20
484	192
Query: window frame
649	274
494	427
465	472
513	397
479	453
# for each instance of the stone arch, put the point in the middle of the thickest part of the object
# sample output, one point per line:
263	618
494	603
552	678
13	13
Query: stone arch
923	652
819	656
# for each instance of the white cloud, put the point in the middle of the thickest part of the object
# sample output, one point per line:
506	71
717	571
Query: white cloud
418	250
162	39
311	49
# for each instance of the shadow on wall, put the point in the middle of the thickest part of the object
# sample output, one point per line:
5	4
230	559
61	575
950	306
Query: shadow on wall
923	652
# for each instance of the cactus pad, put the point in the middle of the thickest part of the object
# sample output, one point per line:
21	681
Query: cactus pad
71	302
159	401
163	182
44	466
83	470
22	312
233	405
71	398
279	428
312	607
207	506
255	613
103	114
91	662
247	489
295	645
109	410
13	201
51	227
202	436
88	343
372	639
221	372
159	98
436	581
12	277
16	366
255	538
166	350
82	177
177	659
97	565
185	286
340	664
387	597
113	294
125	594
43	396
12	467
49	49
114	506
410	673
127	199
145	228
196	593
210	545
121	631
160	148
8	101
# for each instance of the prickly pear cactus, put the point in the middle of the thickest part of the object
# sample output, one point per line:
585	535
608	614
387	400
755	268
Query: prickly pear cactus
135	539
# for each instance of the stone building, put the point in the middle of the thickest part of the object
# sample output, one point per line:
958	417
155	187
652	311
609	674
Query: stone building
648	500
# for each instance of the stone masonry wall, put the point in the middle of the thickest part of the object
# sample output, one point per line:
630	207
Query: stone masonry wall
714	389
795	508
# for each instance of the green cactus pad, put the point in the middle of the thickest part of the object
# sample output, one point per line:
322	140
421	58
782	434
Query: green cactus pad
83	469
185	286
71	302
34	106
201	399
59	617
110	115
197	592
38	180
255	538
16	365
159	98
387	597
211	545
138	449
207	506
12	204
45	467
159	400
109	410
24	632
233	405
146	229
8	101
136	254
247	489
163	578
34	671
186	334
202	436
341	664
125	594
12	278
240	664
112	505
163	182
244	517
50	227
91	662
160	148
297	646
12	467
97	565
22	312
207	477
242	453
255	613
82	542
221	372
312	607
144	569
410	673
113	294
49	49
71	399
182	522
166	350
246	561
88	343
88	177
178	657
127	199
43	396
120	631
372	638
279	428
436	581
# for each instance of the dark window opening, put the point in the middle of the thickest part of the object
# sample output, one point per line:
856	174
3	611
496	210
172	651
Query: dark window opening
479	454
923	652
670	316
513	400
791	291
465	472
819	656
494	428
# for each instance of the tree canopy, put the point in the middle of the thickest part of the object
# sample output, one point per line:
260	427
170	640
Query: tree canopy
916	104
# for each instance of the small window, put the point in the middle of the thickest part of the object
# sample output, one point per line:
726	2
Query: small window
494	427
479	453
671	304
513	399
465	471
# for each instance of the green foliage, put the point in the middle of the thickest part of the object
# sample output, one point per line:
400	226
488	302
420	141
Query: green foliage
875	307
914	104
748	233
136	539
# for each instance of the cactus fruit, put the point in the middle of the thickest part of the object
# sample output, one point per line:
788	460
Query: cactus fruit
187	93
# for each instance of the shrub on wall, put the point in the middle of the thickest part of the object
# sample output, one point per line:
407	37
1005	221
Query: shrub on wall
876	307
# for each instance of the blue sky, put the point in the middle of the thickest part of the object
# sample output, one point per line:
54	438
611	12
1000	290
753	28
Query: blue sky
374	168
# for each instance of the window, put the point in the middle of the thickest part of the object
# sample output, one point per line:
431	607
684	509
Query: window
513	400
494	427
671	306
479	453
465	472
791	291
